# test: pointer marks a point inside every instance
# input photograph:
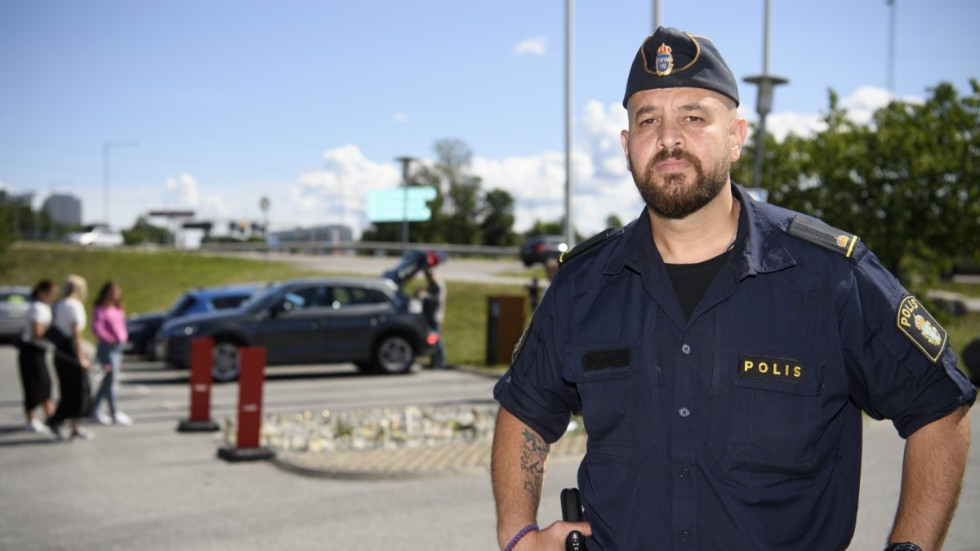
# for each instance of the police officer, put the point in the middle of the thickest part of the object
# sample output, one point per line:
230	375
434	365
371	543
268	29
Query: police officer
722	353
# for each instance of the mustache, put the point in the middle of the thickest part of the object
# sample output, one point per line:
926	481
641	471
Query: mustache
675	153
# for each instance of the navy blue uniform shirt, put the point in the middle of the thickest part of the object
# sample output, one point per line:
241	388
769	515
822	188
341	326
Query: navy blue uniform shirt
739	428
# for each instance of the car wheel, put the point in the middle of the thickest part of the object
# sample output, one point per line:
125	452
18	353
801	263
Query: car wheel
393	355
224	366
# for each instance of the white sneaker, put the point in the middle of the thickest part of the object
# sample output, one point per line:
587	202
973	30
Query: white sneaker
101	419
123	419
37	426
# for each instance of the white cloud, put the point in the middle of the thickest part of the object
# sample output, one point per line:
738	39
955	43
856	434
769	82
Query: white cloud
860	105
338	192
602	184
183	191
532	46
400	118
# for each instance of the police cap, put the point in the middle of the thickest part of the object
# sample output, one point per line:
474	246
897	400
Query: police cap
674	59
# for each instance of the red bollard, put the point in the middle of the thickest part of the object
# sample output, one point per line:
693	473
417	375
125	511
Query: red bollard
251	378
200	415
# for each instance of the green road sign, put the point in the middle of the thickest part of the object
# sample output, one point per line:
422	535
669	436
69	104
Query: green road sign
396	205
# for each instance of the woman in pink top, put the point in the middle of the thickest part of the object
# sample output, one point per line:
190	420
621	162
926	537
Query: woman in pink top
109	326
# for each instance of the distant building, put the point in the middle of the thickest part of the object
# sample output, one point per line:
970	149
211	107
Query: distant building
63	209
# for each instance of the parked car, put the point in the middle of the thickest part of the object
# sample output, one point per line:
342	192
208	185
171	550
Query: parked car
368	322
538	249
143	327
14	301
95	235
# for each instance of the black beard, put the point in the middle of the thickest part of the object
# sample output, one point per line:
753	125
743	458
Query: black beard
676	199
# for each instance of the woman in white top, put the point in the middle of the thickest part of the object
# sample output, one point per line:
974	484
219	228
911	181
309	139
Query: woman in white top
32	358
68	322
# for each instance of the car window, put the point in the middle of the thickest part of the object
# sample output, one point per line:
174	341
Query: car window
309	297
220	303
348	296
181	305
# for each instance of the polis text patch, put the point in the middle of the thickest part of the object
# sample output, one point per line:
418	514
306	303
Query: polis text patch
771	368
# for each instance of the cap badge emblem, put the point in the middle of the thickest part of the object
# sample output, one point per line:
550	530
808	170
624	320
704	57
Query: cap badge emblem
664	60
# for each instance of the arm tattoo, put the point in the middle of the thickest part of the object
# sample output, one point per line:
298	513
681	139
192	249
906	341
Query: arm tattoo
533	459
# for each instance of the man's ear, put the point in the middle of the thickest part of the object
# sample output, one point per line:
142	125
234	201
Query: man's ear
739	131
624	139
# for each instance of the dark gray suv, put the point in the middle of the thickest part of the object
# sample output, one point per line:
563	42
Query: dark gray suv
369	322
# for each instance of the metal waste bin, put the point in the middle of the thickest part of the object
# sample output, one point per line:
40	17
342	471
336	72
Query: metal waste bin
505	323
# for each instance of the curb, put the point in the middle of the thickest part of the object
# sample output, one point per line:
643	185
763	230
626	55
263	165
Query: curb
408	463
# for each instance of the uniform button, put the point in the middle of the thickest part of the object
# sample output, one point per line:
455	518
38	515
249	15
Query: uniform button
684	412
685	535
683	472
686	349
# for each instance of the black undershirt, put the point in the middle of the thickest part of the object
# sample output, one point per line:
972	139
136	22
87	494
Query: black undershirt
691	281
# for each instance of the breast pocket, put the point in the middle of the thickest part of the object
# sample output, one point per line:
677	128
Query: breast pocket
608	380
775	412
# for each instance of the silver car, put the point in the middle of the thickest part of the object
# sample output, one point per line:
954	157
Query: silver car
14	301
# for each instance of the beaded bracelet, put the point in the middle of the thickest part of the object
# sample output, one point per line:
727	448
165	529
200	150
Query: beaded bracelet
517	537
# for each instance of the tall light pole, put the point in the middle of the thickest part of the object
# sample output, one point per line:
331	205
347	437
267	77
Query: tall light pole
106	146
656	16
569	231
891	49
406	162
766	84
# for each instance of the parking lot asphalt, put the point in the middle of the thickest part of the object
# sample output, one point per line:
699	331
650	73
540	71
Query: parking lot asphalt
141	486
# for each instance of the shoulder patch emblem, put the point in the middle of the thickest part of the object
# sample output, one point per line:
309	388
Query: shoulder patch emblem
921	328
818	233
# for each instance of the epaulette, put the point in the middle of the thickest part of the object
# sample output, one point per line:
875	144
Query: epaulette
589	244
819	233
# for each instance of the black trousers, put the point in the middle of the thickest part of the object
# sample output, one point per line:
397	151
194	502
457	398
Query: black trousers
34	375
74	387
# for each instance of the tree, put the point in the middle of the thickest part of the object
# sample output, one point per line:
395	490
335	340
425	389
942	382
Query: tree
6	236
462	204
498	218
145	232
907	183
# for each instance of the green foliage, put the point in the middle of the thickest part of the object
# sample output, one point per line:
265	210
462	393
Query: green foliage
151	280
6	239
461	212
143	232
498	219
541	227
907	183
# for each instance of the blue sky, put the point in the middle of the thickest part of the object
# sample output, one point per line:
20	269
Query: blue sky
310	102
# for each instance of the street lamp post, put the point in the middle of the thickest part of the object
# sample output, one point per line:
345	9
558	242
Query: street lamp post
766	83
406	162
569	186
106	146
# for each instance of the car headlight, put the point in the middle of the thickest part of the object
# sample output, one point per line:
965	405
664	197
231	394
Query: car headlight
189	330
